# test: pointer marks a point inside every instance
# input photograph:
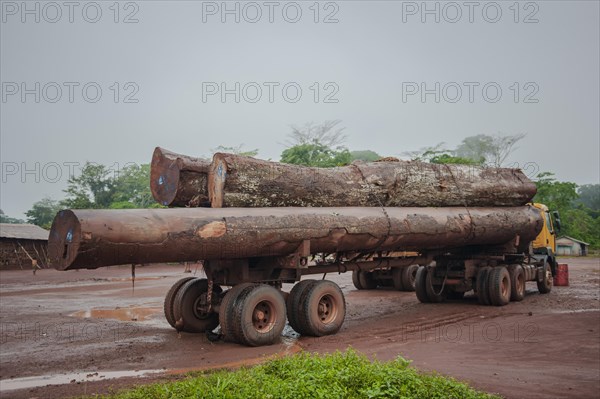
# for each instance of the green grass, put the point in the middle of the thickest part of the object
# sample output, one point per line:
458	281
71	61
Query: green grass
305	375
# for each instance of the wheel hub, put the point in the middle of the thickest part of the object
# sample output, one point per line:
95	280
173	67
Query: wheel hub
262	317
326	309
201	307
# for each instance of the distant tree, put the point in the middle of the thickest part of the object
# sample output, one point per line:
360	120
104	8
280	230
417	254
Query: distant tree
42	212
440	155
328	134
132	185
93	188
364	155
589	196
238	150
446	158
491	150
122	205
317	145
99	187
578	223
554	194
4	218
577	219
315	155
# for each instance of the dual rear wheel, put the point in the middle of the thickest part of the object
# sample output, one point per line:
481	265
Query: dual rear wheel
316	308
186	305
494	286
255	314
501	284
428	292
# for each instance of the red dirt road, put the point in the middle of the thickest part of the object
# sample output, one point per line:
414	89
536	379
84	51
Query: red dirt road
55	324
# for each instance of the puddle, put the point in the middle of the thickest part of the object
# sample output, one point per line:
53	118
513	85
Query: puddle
122	314
73	378
136	279
575	311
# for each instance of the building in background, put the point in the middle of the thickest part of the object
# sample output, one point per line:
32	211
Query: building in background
570	246
22	246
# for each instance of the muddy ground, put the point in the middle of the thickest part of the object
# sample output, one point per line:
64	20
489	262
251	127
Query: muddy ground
82	328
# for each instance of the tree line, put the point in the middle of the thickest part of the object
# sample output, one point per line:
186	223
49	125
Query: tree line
323	145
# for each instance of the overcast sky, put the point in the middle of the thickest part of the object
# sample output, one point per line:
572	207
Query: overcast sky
190	76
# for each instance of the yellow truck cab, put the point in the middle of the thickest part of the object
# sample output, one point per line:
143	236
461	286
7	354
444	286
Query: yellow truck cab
547	237
544	245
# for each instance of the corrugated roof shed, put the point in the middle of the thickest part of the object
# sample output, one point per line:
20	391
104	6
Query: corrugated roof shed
23	231
573	239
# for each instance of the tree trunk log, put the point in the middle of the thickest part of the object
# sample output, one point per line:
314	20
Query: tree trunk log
96	238
178	180
237	181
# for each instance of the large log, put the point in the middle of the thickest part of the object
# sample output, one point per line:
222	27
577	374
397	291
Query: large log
96	238
238	181
178	180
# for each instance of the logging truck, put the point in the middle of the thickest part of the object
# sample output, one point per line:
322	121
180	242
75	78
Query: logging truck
253	251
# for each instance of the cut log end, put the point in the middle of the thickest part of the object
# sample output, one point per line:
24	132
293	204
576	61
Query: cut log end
64	240
178	180
164	177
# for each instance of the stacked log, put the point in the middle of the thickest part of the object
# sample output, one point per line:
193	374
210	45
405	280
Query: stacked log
271	209
237	181
178	180
96	238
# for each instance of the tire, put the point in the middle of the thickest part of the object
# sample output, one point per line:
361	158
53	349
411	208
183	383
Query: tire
397	281
226	310
517	283
356	280
258	315
545	286
483	292
420	285
170	300
293	304
433	292
409	276
187	307
367	280
322	309
499	286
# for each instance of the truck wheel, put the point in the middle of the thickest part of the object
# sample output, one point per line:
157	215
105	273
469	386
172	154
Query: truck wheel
170	300
322	309
226	309
545	286
258	315
434	292
420	285
517	283
190	307
293	304
409	275
483	292
356	279
499	286
397	281
367	280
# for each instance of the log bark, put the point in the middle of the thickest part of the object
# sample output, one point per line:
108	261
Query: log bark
178	180
237	181
96	238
